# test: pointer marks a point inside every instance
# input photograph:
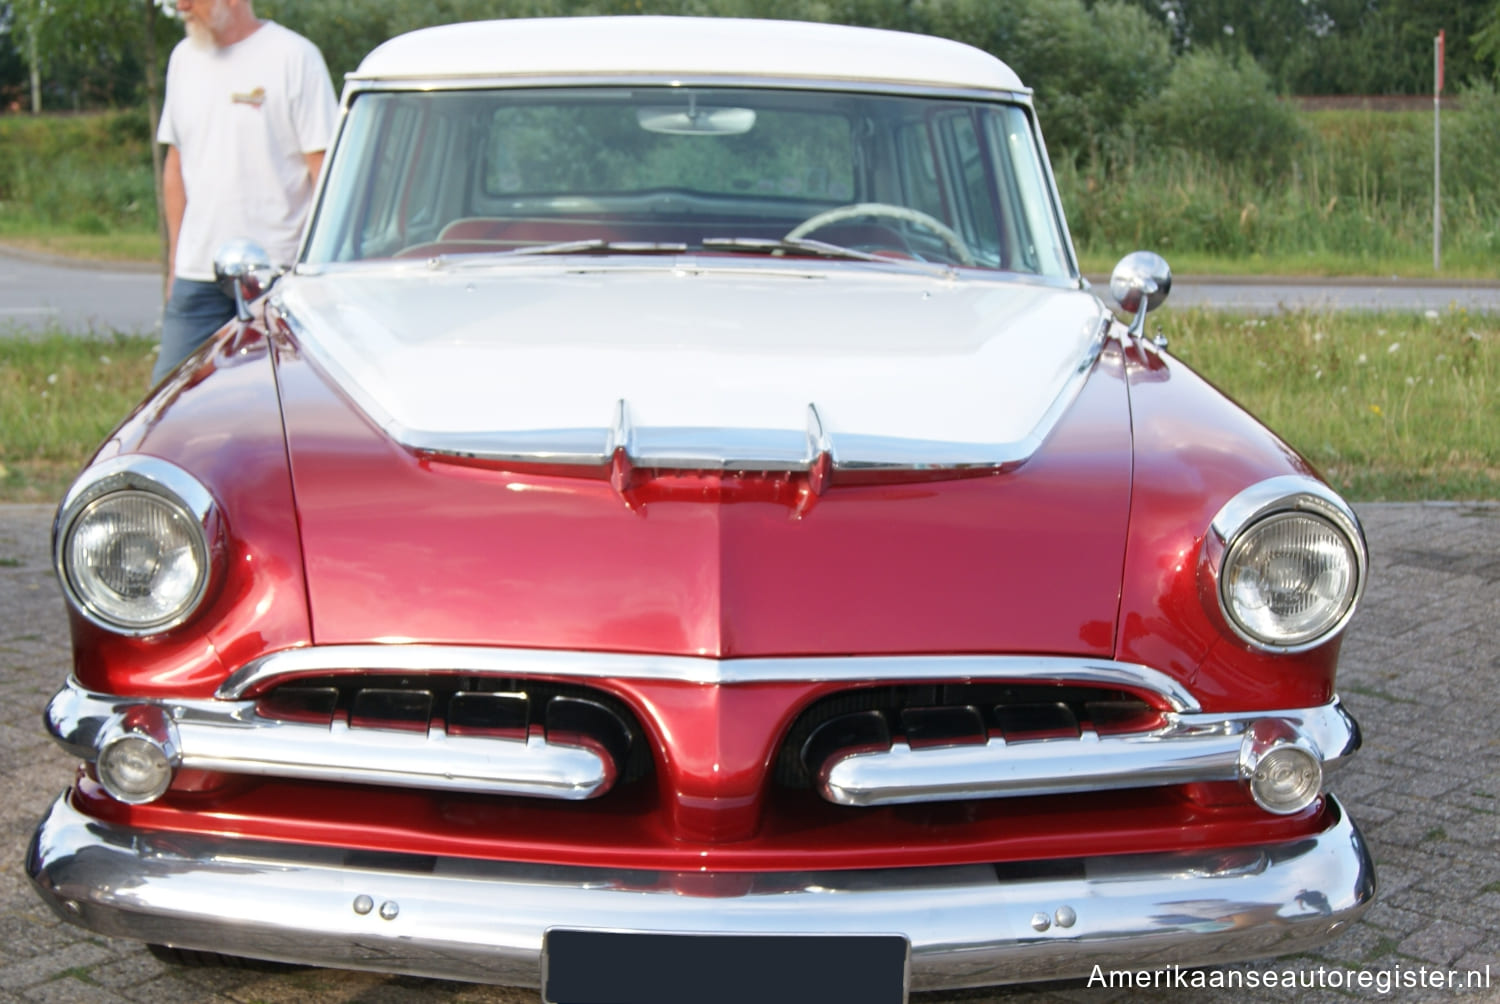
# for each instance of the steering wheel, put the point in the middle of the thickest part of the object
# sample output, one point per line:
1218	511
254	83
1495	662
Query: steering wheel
904	213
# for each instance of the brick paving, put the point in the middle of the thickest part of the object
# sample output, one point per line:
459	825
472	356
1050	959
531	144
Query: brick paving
1421	672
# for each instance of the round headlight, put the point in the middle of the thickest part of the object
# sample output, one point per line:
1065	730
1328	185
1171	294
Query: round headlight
136	560
1289	579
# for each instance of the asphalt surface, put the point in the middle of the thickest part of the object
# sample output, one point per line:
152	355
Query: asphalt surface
1421	672
1255	295
41	292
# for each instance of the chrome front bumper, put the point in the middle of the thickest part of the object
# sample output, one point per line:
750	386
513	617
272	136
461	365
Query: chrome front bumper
484	921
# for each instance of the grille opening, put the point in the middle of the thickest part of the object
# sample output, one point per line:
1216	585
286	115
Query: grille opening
465	705
931	715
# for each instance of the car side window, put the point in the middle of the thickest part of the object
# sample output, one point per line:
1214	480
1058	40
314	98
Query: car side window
973	185
920	184
383	227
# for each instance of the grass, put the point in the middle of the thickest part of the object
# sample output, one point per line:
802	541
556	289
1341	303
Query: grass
1355	198
120	246
1391	407
79	174
59	398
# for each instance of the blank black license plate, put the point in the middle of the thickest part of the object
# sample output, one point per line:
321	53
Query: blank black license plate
611	967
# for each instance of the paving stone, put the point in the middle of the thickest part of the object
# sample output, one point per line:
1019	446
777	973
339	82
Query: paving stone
51	965
132	965
169	989
1441	942
72	990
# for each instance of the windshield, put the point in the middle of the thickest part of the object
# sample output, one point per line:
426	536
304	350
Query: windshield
706	169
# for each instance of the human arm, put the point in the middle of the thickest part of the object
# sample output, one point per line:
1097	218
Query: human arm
174	203
314	165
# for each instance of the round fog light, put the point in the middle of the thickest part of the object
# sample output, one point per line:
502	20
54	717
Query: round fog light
1286	779
134	769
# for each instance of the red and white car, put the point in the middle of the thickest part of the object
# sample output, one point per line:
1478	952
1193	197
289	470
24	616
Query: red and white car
685	514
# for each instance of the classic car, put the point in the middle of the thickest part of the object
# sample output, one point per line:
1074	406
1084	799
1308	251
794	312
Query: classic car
686	528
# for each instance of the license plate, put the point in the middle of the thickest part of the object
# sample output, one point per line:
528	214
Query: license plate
616	967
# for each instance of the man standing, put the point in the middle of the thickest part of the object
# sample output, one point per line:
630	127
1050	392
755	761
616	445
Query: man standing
249	112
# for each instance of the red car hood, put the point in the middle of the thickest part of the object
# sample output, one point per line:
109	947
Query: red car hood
407	540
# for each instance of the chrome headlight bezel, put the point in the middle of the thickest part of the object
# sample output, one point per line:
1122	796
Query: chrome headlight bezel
168	485
1251	509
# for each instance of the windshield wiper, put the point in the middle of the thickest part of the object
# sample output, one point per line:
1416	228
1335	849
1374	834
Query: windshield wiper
803	246
598	244
592	246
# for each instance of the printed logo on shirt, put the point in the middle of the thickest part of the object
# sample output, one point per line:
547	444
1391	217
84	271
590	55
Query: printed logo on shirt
256	97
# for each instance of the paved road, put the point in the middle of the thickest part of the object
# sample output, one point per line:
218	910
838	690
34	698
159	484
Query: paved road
1421	671
1268	296
38	293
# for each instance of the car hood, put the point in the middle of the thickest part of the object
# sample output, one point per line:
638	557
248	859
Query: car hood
691	366
392	381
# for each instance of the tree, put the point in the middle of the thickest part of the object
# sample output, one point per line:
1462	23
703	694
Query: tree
86	53
1339	46
12	66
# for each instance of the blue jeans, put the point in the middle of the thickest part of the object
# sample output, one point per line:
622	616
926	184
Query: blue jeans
194	311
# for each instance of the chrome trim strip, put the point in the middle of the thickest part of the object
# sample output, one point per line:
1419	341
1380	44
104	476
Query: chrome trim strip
333	660
484	921
706	448
1188	748
1286	493
139	472
355	84
230	736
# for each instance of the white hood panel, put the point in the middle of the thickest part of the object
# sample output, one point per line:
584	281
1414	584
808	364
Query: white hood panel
702	366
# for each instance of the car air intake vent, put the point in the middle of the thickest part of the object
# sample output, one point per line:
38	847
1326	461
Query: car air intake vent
467	706
929	716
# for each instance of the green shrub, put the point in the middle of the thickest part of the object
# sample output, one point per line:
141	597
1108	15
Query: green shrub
1222	106
78	173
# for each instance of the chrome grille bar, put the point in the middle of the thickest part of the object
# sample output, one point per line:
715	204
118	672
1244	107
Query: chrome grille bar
1189	748
234	737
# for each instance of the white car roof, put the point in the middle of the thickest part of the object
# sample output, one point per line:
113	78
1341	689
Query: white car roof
689	47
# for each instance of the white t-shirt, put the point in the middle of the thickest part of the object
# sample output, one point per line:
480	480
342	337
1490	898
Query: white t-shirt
242	118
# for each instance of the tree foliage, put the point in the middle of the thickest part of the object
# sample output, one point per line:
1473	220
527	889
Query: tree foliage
1222	105
88	53
1342	46
1107	74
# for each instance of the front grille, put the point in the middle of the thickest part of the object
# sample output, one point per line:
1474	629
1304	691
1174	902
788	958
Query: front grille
930	715
463	705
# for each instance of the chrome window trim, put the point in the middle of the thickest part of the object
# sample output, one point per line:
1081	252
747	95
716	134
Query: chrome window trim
137	472
367	660
1288	493
706	448
356	84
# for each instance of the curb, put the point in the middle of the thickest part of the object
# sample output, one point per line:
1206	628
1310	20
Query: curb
83	264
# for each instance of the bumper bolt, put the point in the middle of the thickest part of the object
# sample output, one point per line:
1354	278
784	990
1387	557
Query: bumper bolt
1040	922
389	909
363	904
1065	916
